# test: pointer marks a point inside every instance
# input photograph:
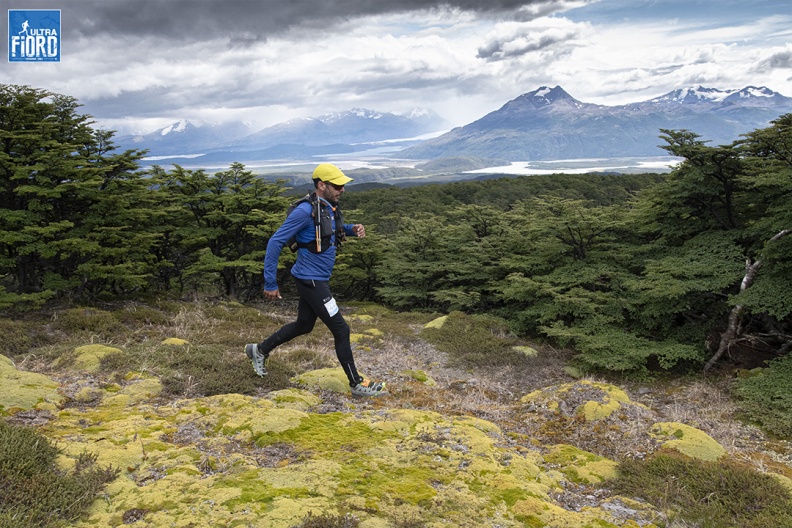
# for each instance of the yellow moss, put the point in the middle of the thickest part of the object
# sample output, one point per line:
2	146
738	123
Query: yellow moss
87	394
420	375
195	463
332	379
376	332
175	341
687	440
581	466
88	356
610	398
437	323
141	390
784	480
300	400
526	351
25	390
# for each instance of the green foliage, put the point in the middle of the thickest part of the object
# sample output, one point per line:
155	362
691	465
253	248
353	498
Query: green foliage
652	262
706	494
34	491
767	396
608	348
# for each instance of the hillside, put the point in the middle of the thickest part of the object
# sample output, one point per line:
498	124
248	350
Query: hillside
479	428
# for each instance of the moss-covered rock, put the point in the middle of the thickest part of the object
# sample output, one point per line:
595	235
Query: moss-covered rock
88	357
526	350
332	379
587	399
25	390
175	341
420	375
581	466
437	323
235	460
688	440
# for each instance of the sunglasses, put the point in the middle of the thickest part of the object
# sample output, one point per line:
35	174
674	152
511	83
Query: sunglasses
334	186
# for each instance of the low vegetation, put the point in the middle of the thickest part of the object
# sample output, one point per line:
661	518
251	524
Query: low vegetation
34	490
194	349
706	494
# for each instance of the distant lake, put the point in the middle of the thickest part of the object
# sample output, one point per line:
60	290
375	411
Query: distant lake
583	166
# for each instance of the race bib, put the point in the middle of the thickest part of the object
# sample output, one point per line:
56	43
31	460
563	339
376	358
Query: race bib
331	307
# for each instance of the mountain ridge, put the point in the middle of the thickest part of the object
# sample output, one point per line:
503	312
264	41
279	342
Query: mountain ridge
548	123
544	124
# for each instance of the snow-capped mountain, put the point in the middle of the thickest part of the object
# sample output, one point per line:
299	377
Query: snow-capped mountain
544	124
288	138
184	137
548	123
354	126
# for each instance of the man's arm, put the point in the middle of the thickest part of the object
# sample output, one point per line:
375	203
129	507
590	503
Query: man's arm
297	220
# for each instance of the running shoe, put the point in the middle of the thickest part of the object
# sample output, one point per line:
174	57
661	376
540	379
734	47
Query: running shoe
257	358
368	388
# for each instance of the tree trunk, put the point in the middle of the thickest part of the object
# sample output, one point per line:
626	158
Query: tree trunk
735	317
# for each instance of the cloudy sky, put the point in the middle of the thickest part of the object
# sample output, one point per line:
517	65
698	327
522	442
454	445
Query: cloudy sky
142	64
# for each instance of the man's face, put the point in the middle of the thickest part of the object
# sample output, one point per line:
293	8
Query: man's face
329	191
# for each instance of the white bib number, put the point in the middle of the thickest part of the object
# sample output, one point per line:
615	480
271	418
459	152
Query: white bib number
331	307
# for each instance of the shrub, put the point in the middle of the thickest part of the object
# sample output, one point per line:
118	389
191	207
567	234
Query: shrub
137	315
208	370
706	494
77	320
15	337
34	492
767	396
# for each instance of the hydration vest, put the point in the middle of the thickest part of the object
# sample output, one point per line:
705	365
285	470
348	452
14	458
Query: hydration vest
322	215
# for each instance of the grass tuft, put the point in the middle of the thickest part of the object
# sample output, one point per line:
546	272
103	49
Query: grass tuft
34	492
706	494
327	520
475	341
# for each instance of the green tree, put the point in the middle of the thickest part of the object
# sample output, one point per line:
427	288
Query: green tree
68	205
223	223
721	216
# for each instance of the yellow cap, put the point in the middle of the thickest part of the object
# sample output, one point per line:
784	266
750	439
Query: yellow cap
327	172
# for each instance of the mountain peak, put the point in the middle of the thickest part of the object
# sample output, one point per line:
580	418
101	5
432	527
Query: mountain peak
544	96
701	94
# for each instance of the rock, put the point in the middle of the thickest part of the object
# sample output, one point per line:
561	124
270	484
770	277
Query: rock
25	390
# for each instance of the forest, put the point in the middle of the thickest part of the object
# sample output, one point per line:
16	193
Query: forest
636	274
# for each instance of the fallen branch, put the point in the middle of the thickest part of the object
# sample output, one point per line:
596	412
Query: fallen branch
735	316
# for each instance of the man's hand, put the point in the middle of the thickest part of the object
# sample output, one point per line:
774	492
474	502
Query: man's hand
359	230
272	295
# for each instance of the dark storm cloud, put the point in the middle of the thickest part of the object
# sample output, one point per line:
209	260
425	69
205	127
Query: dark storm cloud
504	47
780	60
246	20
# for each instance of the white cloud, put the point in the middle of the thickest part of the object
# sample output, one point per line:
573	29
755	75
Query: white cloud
459	62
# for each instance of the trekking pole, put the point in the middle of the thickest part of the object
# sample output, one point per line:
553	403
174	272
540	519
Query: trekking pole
317	226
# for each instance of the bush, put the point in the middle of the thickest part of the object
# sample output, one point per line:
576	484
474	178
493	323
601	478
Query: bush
92	320
706	494
15	337
767	397
34	492
474	341
207	370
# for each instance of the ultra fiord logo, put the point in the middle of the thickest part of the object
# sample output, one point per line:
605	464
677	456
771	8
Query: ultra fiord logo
34	35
